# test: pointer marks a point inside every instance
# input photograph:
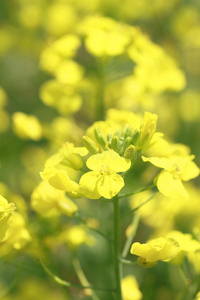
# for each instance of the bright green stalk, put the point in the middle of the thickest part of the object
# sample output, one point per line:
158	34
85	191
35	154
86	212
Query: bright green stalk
117	263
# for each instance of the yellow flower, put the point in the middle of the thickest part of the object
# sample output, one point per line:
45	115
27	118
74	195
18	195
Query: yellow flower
76	236
176	169
56	172
6	210
130	288
27	126
18	235
154	250
103	180
60	180
49	201
104	36
64	98
186	242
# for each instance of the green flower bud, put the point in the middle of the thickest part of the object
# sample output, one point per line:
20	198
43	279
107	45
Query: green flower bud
115	143
90	145
109	137
128	131
127	142
99	137
135	136
130	152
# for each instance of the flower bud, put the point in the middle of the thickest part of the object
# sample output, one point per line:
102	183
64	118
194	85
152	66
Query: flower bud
128	131
135	136
115	143
127	142
99	137
90	145
130	152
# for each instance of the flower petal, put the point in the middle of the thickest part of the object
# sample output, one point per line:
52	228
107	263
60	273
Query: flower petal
109	186
108	158
170	186
88	185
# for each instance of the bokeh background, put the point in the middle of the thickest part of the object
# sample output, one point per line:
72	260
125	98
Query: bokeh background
63	64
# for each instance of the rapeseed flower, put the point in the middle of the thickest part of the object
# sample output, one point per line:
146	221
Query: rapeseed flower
130	288
154	250
103	180
176	169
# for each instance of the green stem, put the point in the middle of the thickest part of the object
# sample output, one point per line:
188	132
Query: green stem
131	236
117	263
137	192
69	284
83	279
128	262
137	207
99	109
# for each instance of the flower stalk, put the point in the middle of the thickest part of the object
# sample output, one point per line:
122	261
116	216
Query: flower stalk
117	263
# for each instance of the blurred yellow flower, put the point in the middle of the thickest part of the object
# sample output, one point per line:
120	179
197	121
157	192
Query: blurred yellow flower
49	201
6	210
61	96
130	288
26	126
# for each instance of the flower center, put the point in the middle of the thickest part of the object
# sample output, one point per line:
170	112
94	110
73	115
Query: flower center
105	170
175	171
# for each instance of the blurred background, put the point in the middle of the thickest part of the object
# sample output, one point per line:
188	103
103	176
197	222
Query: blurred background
63	64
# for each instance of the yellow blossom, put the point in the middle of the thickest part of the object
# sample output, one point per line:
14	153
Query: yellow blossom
27	126
49	201
6	210
154	250
176	169
103	180
130	288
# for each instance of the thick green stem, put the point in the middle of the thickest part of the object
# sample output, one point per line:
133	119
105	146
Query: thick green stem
117	263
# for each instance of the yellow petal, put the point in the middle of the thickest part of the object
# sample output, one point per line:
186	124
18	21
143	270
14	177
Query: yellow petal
88	185
170	186
109	185
108	158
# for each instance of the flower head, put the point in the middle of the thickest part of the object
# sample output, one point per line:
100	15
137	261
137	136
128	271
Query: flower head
103	180
154	250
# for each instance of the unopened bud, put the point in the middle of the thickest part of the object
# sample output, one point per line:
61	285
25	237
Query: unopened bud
109	137
115	143
99	137
135	136
130	152
128	131
127	142
90	145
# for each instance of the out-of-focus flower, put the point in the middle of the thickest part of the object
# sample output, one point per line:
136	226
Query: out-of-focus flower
26	126
130	288
49	201
6	210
